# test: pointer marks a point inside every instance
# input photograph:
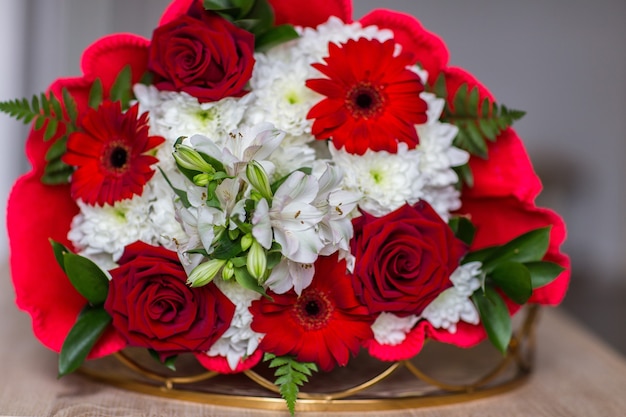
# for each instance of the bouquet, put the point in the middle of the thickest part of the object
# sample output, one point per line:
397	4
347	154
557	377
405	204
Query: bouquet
266	181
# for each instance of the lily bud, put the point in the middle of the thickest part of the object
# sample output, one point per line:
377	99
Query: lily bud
228	271
202	180
246	241
205	272
189	158
256	261
258	179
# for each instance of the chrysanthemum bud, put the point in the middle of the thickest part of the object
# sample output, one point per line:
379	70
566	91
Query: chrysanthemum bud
205	272
258	179
189	158
256	261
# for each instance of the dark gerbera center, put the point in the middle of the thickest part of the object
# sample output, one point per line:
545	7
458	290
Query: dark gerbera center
365	100
115	158
313	310
118	157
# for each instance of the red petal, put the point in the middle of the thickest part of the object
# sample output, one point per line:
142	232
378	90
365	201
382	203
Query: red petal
220	364
312	12
106	57
176	9
466	336
425	47
410	347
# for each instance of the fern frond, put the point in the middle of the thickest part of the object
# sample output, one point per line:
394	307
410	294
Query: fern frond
290	375
478	120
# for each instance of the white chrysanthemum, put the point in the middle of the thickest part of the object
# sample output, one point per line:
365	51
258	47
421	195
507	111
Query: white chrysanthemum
287	158
387	181
390	329
102	232
281	96
454	304
176	114
314	42
239	341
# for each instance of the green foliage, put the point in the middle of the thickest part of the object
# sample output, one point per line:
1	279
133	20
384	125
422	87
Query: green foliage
256	17
495	317
462	228
86	277
478	120
82	337
514	268
122	89
46	111
290	375
169	362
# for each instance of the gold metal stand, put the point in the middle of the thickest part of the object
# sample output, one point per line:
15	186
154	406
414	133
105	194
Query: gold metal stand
440	374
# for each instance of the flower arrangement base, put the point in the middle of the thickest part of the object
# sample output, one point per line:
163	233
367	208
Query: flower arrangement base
440	374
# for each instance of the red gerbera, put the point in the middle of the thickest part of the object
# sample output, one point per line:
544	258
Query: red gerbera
324	325
109	153
372	97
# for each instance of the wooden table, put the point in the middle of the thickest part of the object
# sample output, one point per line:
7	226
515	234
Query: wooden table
576	375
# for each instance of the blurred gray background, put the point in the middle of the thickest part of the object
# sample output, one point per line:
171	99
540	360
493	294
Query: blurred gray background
564	63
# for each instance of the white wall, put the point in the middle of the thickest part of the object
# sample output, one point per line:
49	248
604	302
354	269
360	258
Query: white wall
564	62
12	20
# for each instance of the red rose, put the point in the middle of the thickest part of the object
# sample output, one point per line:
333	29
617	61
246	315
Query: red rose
404	259
152	306
203	55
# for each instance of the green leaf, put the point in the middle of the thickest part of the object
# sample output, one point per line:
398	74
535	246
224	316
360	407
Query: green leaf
169	362
290	375
122	87
495	317
514	279
57	172
86	277
465	175
226	248
70	105
51	129
59	250
529	247
243	278
462	228
478	120
543	272
274	36
57	150
180	193
95	94
81	339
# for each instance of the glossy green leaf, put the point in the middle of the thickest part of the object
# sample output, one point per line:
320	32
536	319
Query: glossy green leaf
495	317
543	272
275	36
529	247
462	228
514	279
243	278
86	277
82	337
59	250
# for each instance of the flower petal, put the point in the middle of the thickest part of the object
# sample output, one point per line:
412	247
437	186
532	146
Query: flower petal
425	47
312	12
107	56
